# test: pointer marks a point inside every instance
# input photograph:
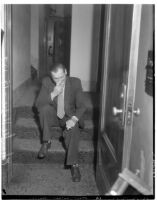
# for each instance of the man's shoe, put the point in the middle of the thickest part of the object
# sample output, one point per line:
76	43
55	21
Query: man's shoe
75	172
44	149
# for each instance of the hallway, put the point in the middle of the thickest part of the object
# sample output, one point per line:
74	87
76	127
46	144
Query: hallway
112	53
32	176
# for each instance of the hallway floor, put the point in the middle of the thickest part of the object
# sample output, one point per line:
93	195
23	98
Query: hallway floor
51	179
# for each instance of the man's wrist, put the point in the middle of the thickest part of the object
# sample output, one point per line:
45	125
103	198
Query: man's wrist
74	119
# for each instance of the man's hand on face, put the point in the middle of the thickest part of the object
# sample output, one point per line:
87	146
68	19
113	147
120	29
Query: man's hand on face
59	77
57	89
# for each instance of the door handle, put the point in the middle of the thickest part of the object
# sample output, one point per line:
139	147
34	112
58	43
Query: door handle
50	51
137	112
116	111
130	112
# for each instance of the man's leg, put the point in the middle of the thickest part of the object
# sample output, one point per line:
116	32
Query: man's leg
72	138
48	118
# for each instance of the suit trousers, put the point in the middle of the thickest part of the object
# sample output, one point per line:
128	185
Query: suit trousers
48	118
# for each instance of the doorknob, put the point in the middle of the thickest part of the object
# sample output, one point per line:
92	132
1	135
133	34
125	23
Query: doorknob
130	112
137	112
116	111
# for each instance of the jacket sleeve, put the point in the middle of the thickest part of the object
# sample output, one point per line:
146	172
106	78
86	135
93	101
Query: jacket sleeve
44	96
80	99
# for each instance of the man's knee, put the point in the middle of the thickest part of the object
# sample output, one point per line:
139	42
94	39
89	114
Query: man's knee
75	131
48	112
47	109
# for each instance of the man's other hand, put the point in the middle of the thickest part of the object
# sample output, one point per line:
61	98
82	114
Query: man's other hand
70	124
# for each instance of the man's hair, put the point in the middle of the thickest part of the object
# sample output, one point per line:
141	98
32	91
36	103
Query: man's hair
56	66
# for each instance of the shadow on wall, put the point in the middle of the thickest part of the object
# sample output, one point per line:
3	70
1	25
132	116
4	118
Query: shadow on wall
34	73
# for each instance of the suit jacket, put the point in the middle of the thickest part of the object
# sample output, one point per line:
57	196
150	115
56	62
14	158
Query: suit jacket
73	97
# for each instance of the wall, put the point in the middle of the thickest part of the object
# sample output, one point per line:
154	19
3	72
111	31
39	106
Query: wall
142	144
43	12
84	44
34	45
20	44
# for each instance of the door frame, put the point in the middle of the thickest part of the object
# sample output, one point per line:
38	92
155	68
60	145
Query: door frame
105	51
7	167
100	175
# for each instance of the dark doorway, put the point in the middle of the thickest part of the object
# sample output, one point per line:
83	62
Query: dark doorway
58	34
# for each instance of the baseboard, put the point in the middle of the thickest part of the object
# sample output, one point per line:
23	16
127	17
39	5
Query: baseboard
19	91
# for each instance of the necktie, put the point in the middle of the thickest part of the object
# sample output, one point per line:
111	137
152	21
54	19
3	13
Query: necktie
60	105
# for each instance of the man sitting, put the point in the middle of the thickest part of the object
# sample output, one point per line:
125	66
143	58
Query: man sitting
61	103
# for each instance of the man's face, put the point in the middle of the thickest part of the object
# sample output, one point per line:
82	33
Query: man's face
59	77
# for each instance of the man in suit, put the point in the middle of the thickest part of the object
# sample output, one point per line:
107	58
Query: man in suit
61	103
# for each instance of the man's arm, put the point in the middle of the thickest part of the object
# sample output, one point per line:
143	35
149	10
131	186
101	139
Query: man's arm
80	106
80	99
48	92
56	91
43	96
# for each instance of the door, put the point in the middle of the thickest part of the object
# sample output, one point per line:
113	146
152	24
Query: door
62	35
115	54
138	149
6	96
58	41
118	112
50	41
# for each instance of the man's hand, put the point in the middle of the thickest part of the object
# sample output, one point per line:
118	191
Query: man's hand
71	122
57	90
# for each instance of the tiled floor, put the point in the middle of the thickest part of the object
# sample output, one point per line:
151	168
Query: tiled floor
52	179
